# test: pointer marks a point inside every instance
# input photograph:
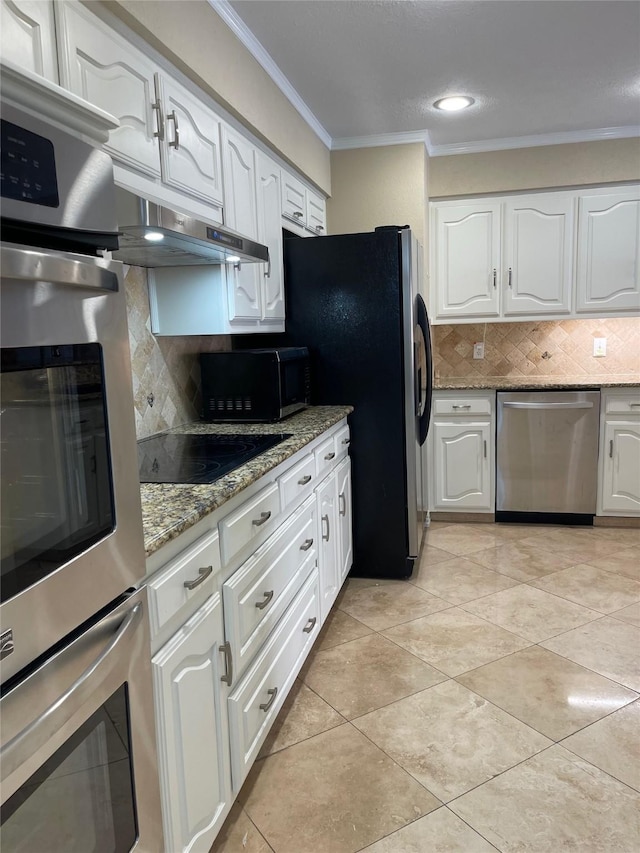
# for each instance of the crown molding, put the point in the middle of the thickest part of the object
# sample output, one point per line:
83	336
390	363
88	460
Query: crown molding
247	38
378	140
595	135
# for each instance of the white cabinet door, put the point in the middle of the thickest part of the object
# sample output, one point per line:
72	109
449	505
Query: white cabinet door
28	36
244	291
104	69
462	468
343	477
467	258
191	159
268	194
193	735
538	254
621	467
294	198
316	213
329	539
608	276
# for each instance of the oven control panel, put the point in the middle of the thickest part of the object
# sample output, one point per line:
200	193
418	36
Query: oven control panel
28	171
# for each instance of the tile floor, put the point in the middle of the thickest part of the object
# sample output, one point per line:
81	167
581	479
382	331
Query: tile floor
490	703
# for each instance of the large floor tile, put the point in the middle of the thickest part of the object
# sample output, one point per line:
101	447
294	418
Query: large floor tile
357	677
438	832
450	739
429	556
521	562
626	535
336	792
612	744
580	545
625	562
455	641
629	614
339	628
239	833
607	646
302	715
548	692
459	580
463	539
553	803
591	587
389	603
531	613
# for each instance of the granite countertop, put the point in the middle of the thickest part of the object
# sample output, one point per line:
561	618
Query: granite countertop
168	509
515	383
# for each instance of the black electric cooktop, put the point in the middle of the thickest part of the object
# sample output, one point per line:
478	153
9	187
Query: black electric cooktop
204	458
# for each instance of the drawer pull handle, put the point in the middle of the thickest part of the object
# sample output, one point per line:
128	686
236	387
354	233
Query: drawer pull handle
272	692
343	504
225	648
510	277
264	516
456	406
176	139
304	480
611	449
329	455
494	276
485	449
298	214
634	404
267	598
326	518
311	624
306	544
203	574
346	441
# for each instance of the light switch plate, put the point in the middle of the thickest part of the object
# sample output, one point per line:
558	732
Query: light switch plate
599	347
478	350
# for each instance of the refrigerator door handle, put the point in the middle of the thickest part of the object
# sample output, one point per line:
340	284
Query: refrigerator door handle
425	415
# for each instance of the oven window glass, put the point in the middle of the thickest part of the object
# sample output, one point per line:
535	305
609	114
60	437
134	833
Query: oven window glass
56	488
81	800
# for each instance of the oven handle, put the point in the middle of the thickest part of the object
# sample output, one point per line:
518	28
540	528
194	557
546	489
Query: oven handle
30	265
16	751
509	405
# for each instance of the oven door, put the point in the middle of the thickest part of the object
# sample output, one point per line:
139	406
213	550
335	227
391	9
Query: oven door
78	764
71	519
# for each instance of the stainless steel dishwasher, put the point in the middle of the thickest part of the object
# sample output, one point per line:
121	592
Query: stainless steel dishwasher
547	455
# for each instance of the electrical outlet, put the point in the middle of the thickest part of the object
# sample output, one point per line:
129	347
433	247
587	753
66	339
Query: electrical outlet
478	350
599	347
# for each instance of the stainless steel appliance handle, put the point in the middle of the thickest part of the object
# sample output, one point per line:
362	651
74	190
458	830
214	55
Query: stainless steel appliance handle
176	139
30	265
508	405
203	574
40	730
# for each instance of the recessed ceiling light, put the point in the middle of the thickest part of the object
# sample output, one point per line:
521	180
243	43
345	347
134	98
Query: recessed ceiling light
154	236
456	102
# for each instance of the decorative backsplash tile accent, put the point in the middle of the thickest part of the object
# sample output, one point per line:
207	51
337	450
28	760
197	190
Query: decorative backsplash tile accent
165	367
544	348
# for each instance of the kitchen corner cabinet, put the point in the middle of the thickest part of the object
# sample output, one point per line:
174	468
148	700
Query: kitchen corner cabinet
302	207
462	452
28	36
619	474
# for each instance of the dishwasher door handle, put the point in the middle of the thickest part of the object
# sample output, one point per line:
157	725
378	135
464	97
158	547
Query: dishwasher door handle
508	405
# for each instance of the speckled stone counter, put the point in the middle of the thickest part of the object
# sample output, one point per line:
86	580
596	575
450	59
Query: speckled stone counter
516	383
168	509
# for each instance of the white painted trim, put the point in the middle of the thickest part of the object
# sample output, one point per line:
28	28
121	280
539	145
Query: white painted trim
594	135
247	38
379	139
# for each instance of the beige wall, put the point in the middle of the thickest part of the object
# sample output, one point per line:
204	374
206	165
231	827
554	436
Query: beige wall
192	36
575	164
378	186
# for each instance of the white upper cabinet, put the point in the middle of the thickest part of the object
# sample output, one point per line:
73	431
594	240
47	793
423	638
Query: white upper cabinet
103	68
608	275
268	193
467	258
302	206
316	213
538	254
28	36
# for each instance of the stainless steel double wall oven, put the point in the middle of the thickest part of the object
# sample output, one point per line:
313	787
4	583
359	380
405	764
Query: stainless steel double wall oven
78	757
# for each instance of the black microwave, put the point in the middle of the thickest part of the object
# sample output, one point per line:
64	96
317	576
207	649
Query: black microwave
254	385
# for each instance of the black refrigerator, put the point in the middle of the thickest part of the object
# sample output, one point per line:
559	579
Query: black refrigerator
353	300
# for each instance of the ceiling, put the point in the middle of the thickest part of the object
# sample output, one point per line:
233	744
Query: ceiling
362	68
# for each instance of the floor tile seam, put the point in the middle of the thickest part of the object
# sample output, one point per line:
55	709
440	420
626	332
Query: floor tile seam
531	583
597	767
497	625
480	597
609	571
253	823
406	622
471	827
413	654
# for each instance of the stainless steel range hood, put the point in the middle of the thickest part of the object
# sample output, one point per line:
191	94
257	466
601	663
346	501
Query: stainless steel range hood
154	236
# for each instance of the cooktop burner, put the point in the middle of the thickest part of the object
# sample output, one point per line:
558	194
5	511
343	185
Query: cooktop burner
202	458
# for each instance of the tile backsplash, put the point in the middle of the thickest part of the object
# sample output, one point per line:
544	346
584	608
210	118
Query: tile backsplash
543	348
165	367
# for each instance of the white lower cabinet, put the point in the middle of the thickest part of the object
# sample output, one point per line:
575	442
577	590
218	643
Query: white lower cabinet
234	615
619	474
193	731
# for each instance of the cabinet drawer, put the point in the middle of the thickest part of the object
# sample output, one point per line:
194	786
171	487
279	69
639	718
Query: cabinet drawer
462	406
326	456
342	441
196	566
259	696
239	528
257	595
298	482
627	404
